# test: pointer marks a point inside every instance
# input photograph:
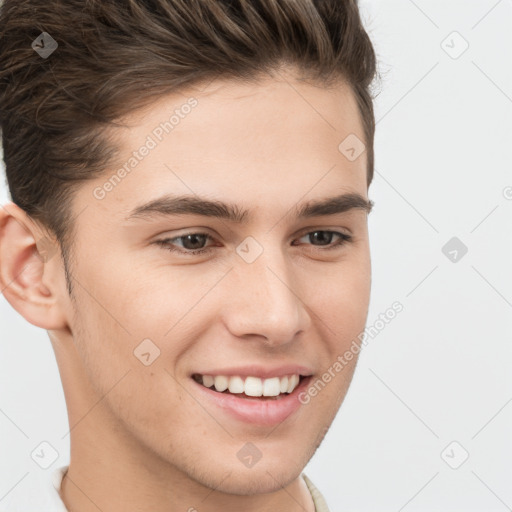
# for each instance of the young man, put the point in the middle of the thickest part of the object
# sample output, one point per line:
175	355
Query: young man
189	223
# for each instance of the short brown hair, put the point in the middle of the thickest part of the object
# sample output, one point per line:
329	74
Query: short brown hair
115	56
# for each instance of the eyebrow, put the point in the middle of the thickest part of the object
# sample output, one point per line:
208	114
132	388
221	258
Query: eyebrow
194	205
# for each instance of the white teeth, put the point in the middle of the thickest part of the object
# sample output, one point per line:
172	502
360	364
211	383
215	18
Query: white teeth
252	386
208	381
292	383
284	385
236	385
271	387
221	383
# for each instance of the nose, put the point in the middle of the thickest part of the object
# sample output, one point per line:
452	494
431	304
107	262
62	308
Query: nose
266	300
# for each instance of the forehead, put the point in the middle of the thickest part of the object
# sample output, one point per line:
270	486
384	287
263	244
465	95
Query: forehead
228	114
252	142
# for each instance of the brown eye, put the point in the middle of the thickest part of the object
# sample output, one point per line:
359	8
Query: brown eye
323	238
191	243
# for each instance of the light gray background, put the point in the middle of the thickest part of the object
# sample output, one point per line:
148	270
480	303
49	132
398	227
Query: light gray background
440	371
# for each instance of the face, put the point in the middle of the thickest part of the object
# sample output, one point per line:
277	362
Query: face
182	290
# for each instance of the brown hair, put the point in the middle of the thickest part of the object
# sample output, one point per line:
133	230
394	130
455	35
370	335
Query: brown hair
115	56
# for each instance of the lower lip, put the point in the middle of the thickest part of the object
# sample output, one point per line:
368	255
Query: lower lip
254	410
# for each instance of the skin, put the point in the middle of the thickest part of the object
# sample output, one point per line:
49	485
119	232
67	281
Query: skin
141	438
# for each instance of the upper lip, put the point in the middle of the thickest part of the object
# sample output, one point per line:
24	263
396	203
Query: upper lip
263	372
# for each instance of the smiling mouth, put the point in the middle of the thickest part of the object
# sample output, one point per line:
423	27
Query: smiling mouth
251	387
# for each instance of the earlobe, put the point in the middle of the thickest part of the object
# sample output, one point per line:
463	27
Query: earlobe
24	253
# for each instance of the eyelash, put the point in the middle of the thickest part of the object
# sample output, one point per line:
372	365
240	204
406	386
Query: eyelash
166	242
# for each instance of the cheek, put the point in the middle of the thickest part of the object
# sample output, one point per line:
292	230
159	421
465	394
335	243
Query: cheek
342	310
123	316
158	302
341	299
102	343
113	356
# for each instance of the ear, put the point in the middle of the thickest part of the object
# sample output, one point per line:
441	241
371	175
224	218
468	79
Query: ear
28	269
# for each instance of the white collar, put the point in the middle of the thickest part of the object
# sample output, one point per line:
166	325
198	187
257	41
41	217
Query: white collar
57	476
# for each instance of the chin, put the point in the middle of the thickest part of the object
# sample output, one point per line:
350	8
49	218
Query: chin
254	481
